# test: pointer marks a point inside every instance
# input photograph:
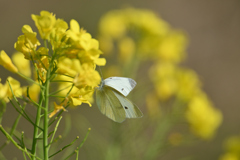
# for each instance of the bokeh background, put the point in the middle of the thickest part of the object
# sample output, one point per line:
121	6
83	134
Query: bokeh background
213	29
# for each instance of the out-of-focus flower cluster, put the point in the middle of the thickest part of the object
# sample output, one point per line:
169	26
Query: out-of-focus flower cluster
232	149
139	36
70	52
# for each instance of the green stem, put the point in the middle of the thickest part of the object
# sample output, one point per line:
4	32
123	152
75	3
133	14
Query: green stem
55	129
13	128
35	132
2	156
45	131
16	122
46	106
80	146
2	109
14	142
64	147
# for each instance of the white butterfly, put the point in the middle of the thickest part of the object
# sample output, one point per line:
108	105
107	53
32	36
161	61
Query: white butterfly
111	100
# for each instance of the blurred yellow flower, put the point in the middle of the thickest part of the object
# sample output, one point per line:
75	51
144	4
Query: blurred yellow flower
6	62
232	148
126	47
164	79
113	24
22	64
188	84
6	91
33	90
151	40
173	46
229	156
203	118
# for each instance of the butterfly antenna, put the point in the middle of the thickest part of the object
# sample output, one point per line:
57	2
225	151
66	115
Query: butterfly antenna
100	71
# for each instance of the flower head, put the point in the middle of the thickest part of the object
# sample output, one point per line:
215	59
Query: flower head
203	118
45	23
87	77
86	49
27	43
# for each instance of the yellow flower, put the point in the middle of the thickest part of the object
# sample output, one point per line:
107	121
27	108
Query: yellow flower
86	48
83	95
77	96
42	51
203	118
6	62
22	64
45	23
69	66
87	77
27	43
42	67
58	36
57	108
91	53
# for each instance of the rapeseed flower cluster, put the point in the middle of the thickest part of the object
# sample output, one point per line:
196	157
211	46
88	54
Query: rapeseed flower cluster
137	36
60	67
69	54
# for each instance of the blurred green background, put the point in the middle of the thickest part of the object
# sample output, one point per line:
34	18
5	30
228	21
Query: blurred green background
213	28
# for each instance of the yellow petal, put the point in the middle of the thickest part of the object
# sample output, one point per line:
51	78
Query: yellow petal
57	108
6	62
74	26
22	64
100	61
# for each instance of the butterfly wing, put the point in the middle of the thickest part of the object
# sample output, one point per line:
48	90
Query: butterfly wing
132	111
109	104
121	84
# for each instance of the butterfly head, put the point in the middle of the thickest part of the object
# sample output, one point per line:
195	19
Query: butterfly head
100	85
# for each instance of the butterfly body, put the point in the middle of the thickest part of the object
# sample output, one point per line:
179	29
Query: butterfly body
111	100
